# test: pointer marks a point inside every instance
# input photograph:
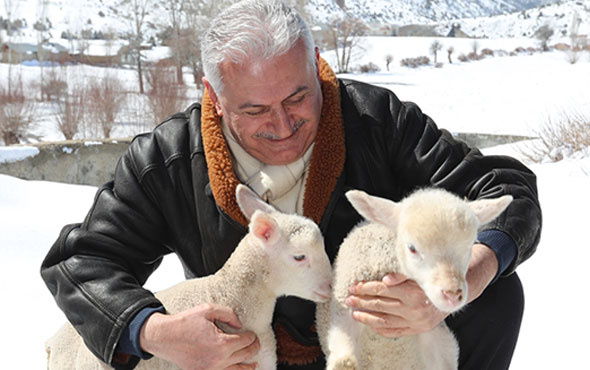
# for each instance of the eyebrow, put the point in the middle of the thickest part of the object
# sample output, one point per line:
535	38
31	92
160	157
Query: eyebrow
251	105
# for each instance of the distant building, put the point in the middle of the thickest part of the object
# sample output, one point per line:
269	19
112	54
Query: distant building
415	30
16	53
457	32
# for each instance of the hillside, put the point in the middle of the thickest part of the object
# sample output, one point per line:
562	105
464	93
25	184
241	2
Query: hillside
524	23
403	12
483	18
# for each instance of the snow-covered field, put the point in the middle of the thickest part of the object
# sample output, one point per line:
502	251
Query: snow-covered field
495	95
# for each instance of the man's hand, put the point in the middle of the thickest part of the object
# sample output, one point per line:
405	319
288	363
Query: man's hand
191	340
396	306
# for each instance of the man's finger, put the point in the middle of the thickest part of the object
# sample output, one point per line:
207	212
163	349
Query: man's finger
379	320
373	303
223	314
246	352
369	288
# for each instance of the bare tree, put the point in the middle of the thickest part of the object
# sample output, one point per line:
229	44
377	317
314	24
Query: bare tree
10	7
107	96
165	97
16	112
197	17
435	47
134	12
71	109
475	47
543	34
450	52
344	33
175	11
388	60
577	42
41	26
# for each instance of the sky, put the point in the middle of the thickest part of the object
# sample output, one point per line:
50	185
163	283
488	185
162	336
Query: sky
496	95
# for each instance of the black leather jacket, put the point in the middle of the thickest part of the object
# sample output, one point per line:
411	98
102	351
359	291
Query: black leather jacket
161	202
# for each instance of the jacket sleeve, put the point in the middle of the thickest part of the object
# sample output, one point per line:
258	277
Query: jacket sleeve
423	155
95	270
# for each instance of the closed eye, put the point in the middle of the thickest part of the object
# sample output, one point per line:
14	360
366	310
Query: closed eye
256	113
299	258
296	100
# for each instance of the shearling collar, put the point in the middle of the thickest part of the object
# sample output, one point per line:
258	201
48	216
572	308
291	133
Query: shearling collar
327	160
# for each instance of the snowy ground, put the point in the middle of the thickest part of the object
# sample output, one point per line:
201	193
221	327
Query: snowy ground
496	95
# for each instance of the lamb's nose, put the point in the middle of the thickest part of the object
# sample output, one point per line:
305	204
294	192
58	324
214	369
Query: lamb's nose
453	296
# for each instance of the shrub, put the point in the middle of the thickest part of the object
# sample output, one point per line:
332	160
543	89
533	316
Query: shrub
165	95
106	96
17	114
415	62
487	52
369	68
71	110
474	56
559	138
55	87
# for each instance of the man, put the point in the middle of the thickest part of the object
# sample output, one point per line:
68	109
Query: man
274	116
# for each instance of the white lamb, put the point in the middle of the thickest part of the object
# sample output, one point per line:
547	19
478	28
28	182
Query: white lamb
428	237
281	255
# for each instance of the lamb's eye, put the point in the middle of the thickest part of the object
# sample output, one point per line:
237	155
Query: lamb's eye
299	258
412	249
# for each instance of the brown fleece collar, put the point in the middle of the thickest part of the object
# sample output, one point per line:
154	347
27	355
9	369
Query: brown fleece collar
327	159
326	165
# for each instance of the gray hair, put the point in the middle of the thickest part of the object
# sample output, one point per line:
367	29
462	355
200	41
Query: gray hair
252	31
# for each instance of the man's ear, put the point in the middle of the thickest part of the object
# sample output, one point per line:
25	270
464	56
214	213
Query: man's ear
317	61
213	96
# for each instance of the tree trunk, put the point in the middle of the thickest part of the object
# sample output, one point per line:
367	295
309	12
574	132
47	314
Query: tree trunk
139	73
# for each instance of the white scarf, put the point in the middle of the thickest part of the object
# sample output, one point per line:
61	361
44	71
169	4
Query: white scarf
281	186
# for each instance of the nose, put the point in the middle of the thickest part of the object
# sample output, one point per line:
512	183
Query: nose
283	125
453	296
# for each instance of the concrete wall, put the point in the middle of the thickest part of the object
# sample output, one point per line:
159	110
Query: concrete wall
73	162
93	163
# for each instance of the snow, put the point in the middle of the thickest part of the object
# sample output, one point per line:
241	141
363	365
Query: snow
553	333
496	95
17	153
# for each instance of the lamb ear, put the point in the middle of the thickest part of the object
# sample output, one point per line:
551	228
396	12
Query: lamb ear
488	209
375	209
264	227
249	201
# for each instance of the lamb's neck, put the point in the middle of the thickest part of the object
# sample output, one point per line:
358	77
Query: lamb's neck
248	274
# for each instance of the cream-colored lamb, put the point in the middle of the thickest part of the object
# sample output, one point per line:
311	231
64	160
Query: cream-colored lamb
428	237
281	255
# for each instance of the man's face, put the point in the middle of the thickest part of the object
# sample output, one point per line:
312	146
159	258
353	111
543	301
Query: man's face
272	110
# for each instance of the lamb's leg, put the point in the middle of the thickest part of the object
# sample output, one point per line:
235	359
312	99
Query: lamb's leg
61	348
342	339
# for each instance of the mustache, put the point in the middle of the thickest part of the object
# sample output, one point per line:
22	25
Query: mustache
272	136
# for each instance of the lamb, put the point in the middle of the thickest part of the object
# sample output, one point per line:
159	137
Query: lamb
281	255
428	237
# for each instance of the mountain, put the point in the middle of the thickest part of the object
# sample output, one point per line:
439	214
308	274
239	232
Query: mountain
559	17
402	12
482	18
